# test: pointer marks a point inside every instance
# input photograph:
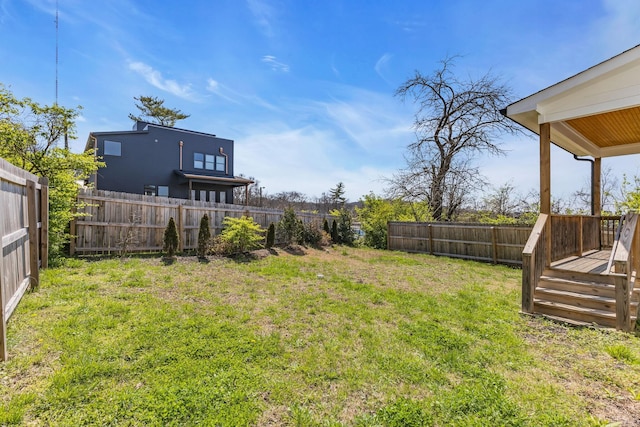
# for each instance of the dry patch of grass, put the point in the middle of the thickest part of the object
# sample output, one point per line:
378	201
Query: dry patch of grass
342	336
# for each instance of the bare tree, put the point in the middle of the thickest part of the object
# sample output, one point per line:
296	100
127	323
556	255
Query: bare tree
502	201
456	121
608	184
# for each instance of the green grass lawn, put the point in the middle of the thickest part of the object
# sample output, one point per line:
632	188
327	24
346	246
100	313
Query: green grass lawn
338	337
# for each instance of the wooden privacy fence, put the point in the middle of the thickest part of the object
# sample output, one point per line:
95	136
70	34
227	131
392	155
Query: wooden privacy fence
24	220
498	244
112	221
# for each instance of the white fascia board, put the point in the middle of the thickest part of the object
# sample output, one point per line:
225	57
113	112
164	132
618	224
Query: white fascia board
533	102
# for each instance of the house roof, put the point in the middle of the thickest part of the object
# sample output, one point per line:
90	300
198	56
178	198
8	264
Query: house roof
594	113
142	128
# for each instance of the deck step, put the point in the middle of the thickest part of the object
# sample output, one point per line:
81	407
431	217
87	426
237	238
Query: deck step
604	290
585	298
572	312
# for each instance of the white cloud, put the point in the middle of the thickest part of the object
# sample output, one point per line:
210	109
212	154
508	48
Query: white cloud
381	65
275	64
264	14
301	159
154	78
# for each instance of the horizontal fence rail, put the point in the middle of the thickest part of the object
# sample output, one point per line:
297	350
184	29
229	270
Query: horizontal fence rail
490	243
111	222
24	217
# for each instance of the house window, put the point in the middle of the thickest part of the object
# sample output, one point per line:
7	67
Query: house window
198	160
163	190
203	195
223	197
149	190
112	148
212	196
209	160
221	163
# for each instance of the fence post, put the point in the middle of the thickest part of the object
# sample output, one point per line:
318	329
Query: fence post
494	244
44	221
3	333
33	234
180	228
430	238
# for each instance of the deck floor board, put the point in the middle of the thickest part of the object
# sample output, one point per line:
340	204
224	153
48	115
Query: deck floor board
590	262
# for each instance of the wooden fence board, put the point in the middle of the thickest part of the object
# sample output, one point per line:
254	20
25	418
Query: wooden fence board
490	243
107	216
23	227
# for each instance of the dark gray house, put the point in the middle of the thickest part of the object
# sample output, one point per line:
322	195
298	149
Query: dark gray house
164	161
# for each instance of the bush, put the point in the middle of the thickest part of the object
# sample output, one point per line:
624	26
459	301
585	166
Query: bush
171	238
242	234
346	236
334	233
204	237
325	226
314	235
289	228
271	236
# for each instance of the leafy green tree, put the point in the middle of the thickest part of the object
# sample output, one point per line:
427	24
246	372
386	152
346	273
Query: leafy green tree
29	136
204	236
152	110
242	234
171	238
376	212
630	195
271	236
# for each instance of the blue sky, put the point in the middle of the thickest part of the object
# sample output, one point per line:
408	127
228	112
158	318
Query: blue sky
304	87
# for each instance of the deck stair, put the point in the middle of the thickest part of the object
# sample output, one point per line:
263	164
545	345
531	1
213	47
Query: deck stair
580	298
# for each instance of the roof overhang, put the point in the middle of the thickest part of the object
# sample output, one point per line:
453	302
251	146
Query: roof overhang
229	181
594	113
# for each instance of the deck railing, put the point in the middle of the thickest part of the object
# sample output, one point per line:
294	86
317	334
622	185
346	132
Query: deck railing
574	235
535	258
623	265
608	226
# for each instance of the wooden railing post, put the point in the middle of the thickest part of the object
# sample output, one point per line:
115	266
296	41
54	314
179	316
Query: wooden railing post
623	303
528	282
580	236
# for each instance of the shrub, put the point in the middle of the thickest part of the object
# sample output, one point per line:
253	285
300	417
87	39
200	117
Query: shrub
242	234
271	236
314	235
171	238
346	236
204	237
325	226
334	232
289	230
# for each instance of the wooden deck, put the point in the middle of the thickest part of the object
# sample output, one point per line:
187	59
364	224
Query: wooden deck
594	262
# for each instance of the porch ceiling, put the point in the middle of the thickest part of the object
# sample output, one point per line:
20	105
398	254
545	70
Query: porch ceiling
594	113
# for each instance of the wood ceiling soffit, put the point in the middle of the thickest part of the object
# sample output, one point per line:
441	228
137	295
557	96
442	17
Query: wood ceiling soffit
610	129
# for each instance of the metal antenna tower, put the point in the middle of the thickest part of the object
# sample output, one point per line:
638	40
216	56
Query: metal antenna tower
56	102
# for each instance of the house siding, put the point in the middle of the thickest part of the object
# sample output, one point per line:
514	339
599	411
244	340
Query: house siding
150	155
